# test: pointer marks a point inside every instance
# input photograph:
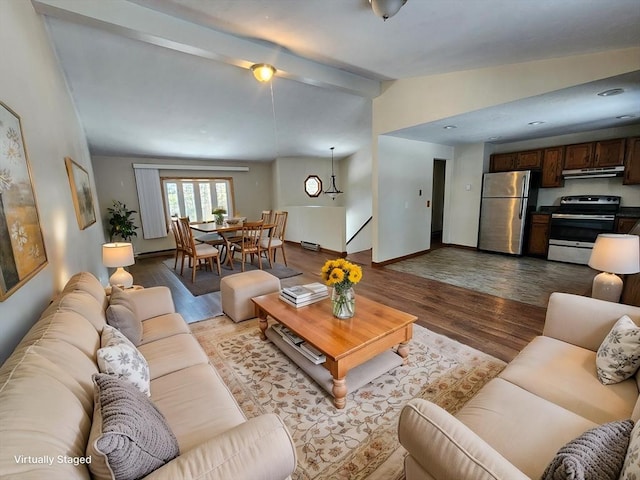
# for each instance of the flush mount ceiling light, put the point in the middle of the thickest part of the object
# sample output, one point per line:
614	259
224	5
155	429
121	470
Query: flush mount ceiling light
263	71
386	8
611	92
332	191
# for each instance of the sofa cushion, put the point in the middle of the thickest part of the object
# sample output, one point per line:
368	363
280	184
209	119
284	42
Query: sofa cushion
129	437
525	429
163	326
87	282
566	375
172	354
631	467
83	304
597	453
196	403
122	315
119	357
618	357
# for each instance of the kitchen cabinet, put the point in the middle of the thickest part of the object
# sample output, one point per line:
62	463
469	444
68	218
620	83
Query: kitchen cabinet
579	155
539	234
625	224
502	162
552	161
609	153
632	162
530	160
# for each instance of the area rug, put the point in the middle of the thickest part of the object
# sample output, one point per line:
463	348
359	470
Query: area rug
524	279
208	281
361	440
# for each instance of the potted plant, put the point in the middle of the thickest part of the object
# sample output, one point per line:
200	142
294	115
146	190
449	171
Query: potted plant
219	214
120	222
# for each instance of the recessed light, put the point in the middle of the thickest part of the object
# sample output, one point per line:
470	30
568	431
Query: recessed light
449	127
625	117
611	92
537	122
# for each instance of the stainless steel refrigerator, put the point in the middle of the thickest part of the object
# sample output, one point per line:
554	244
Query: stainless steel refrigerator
506	199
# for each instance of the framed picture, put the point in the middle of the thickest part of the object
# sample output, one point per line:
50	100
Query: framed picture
22	252
81	193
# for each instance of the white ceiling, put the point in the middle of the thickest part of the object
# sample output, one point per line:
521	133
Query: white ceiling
169	78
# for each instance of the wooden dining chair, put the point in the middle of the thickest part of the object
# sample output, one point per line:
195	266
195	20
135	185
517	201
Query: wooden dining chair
267	216
275	239
197	252
248	243
177	235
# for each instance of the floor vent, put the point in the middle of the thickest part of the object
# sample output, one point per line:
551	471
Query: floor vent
310	246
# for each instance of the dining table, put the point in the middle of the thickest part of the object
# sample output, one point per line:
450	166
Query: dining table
225	230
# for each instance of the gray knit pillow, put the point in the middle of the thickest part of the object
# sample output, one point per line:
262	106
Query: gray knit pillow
129	436
597	454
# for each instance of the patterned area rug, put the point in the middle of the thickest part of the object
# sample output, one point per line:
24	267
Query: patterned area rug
361	440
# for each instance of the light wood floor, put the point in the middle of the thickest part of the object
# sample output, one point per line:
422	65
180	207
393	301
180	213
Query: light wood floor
491	324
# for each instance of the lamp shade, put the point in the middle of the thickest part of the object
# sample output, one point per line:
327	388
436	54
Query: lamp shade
616	253
117	254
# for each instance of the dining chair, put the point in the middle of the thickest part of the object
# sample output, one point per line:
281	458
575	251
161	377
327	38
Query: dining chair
248	243
177	235
197	252
275	239
267	216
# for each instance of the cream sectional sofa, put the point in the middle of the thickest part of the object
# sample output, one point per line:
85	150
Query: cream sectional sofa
548	395
47	396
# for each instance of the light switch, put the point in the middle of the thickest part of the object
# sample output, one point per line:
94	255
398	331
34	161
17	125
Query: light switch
467	187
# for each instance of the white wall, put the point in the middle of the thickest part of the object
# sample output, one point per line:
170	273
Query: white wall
463	190
33	86
115	180
356	169
322	225
402	221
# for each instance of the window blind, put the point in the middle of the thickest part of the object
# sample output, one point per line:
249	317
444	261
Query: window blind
151	205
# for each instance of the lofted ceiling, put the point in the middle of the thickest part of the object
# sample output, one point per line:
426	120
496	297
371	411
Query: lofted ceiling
170	78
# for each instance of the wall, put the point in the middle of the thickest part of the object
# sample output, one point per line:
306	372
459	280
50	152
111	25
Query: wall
356	170
115	180
33	86
402	221
596	186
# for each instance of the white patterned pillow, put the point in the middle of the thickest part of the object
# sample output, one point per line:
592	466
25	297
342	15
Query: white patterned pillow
631	467
119	357
618	357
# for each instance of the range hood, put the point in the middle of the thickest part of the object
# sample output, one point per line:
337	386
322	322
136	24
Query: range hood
600	172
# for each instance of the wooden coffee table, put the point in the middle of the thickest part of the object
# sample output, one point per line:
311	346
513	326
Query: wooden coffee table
361	345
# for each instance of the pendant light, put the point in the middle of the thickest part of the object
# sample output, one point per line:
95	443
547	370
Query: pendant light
333	191
386	8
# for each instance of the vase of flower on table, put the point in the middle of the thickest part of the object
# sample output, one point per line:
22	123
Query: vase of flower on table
342	276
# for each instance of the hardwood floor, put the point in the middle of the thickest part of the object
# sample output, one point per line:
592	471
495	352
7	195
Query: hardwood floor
491	324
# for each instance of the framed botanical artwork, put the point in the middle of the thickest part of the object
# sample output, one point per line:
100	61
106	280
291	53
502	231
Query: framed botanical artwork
81	193
22	252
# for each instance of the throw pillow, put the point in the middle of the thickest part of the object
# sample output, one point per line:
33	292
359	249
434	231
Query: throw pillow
123	315
129	436
618	357
631	467
119	357
597	454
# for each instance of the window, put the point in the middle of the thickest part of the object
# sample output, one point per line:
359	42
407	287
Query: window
197	198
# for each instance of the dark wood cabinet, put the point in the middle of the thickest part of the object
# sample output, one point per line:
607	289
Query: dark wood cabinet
609	153
625	224
632	162
539	234
502	162
529	160
552	161
579	155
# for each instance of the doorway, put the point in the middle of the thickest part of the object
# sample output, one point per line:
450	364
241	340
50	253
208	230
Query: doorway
437	202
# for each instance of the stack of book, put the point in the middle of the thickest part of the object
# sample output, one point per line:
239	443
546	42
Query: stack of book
301	295
309	351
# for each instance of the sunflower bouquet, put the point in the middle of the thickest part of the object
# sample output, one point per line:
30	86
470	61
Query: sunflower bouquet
342	276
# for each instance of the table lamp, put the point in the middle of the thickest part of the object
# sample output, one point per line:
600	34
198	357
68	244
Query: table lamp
613	253
118	255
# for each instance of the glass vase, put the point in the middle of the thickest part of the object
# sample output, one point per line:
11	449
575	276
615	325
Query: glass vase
343	302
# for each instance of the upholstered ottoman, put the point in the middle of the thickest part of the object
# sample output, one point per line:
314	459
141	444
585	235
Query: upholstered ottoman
238	290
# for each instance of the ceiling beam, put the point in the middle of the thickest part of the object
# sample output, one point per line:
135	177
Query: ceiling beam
143	24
